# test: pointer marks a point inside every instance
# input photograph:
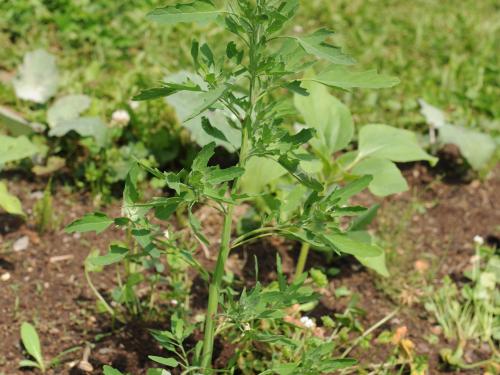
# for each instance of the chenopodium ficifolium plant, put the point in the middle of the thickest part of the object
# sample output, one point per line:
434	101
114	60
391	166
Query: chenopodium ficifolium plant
248	82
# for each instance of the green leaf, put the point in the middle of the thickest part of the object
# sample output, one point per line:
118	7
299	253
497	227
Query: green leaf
293	167
315	44
207	99
53	164
296	87
116	253
341	77
108	370
67	108
387	178
376	263
201	160
259	172
347	245
362	221
195	225
387	142
10	203
31	342
28	363
219	176
14	123
185	104
330	117
211	130
196	11
476	147
96	221
167	90
37	78
337	364
170	362
352	188
15	148
84	126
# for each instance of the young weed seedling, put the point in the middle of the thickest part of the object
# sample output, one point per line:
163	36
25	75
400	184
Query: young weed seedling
31	343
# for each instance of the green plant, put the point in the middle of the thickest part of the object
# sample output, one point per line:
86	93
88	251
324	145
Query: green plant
31	343
44	211
471	312
248	81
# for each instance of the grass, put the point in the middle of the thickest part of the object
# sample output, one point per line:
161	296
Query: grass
443	51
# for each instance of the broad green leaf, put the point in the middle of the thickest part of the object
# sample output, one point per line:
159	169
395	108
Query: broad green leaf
84	126
219	176
31	342
37	78
433	115
14	123
196	11
387	142
10	203
347	245
115	254
259	172
108	370
97	222
170	362
387	178
341	77
315	44
15	148
67	108
376	263
476	147
325	113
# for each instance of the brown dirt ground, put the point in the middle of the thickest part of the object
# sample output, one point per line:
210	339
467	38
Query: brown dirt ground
433	221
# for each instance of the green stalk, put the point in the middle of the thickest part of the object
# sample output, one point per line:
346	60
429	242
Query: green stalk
214	289
301	262
214	293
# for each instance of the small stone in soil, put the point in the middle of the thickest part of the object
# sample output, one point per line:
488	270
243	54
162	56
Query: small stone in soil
5	276
21	244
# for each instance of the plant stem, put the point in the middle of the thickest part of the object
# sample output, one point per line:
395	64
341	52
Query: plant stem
99	296
214	293
301	262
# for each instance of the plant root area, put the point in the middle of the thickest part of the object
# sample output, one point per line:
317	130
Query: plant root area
427	232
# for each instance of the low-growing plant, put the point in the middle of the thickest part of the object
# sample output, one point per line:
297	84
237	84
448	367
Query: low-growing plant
31	343
472	312
248	82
